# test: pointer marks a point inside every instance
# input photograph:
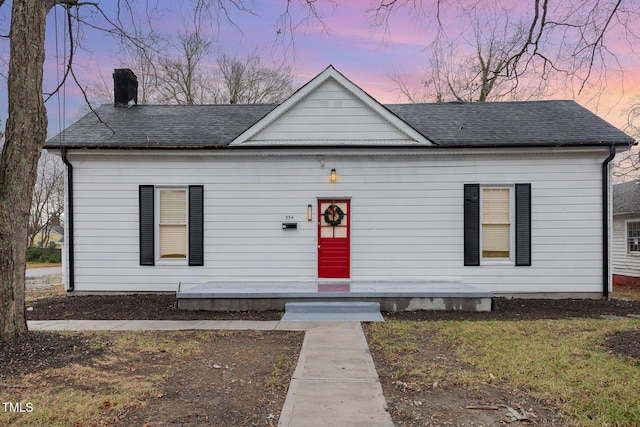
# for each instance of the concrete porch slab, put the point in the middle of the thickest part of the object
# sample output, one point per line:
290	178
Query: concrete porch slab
308	289
391	295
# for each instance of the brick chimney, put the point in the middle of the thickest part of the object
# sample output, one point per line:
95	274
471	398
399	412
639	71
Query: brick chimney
125	88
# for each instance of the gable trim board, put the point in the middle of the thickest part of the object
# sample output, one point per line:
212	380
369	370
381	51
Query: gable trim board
409	204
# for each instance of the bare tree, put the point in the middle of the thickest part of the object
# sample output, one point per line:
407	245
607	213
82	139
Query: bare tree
186	78
626	165
25	133
249	81
571	41
47	204
473	69
143	57
183	78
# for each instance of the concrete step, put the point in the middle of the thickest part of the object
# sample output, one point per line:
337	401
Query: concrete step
333	312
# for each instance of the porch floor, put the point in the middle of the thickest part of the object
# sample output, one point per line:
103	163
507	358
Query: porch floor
392	295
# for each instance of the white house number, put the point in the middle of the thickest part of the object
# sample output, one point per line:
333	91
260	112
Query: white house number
288	217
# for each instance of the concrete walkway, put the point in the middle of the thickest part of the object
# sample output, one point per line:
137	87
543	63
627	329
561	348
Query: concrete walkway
335	382
150	325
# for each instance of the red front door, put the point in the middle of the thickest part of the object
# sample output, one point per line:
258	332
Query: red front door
334	234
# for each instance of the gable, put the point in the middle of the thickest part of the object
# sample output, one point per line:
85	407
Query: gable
330	110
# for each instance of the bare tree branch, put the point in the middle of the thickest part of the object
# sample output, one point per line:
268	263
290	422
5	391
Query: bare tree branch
248	81
182	78
570	41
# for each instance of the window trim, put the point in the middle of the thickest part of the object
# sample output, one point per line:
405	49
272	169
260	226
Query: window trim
156	225
512	235
522	205
626	237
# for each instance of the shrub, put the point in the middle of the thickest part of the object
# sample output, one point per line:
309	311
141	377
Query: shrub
44	255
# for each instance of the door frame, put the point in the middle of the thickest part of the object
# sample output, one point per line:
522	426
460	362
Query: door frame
349	217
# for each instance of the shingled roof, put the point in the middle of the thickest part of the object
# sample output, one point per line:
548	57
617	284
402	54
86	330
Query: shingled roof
160	126
626	197
555	123
552	123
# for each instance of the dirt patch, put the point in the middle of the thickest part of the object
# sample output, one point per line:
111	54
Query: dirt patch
36	351
239	380
625	343
532	309
232	378
130	307
448	402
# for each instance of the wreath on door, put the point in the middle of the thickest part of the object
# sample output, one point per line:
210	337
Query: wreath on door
333	215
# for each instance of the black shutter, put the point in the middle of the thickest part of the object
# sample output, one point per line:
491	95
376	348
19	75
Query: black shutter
196	225
147	229
523	224
472	224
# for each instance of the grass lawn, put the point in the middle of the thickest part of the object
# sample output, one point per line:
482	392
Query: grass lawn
43	264
56	290
563	362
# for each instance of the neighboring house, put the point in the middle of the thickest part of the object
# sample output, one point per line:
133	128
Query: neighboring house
56	235
331	186
626	233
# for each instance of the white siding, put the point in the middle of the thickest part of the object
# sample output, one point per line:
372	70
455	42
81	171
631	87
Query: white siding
330	113
406	223
623	263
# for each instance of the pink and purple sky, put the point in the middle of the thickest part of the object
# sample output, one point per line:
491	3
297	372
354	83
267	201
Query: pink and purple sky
364	53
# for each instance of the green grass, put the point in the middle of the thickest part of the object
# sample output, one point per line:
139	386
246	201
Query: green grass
563	361
275	378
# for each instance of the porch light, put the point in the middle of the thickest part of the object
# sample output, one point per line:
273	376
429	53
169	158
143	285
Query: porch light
334	177
309	213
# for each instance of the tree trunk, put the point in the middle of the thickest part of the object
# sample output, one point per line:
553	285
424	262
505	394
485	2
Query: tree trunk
26	132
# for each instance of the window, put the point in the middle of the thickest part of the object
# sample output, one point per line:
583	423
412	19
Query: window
497	224
171	224
633	237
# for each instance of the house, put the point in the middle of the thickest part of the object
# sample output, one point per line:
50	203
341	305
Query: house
55	235
331	188
626	233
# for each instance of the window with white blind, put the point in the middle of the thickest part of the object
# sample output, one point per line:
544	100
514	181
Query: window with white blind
172	223
496	222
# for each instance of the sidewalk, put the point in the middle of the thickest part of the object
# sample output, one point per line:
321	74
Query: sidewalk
335	382
43	271
150	325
